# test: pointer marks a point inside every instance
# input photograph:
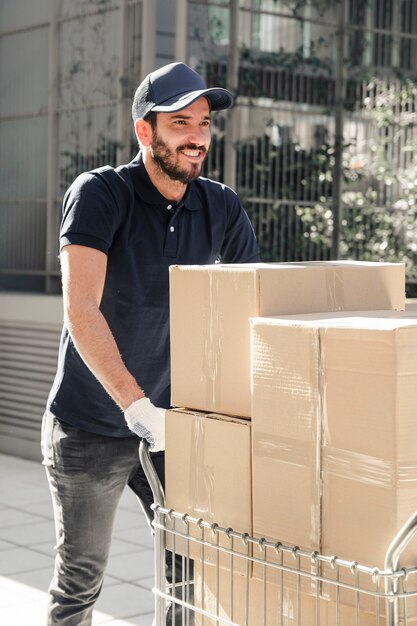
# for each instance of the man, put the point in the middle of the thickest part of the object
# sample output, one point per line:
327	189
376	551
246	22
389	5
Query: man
120	232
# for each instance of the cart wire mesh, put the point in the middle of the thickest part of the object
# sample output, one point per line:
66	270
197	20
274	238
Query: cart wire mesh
221	576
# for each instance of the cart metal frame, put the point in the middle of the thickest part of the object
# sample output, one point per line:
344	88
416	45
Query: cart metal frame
391	587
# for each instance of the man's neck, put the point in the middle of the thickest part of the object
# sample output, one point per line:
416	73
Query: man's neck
170	189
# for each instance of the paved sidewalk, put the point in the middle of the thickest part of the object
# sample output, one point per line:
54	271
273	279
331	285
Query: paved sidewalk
26	553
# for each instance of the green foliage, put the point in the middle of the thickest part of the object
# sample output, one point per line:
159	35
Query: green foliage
379	198
290	60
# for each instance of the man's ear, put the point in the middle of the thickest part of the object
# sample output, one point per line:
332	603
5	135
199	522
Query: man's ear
143	132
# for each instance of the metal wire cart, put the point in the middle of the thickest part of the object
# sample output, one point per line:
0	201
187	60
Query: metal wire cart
225	577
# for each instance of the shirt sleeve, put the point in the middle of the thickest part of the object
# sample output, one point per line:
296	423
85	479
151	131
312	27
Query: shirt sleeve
91	213
240	245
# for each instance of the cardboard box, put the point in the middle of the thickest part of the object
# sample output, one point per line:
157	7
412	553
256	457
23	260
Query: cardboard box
210	311
286	434
208	476
248	601
344	615
286	441
342	387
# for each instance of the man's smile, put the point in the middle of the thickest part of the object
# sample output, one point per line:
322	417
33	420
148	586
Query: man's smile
195	153
191	153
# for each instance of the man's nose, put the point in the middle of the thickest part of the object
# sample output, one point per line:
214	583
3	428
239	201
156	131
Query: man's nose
199	135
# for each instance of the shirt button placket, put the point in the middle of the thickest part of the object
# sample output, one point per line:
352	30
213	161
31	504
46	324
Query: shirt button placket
171	240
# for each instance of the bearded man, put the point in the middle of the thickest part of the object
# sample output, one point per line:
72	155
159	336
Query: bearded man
121	230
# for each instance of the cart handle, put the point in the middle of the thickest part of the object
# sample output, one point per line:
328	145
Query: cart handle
159	552
150	473
400	542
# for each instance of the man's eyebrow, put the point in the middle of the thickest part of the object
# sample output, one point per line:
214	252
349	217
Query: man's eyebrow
183	116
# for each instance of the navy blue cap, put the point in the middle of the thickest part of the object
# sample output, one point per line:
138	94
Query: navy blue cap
174	87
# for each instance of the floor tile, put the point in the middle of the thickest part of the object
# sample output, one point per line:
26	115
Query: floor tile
45	547
41	509
122	600
29	534
6	545
18	496
125	518
15	517
135	565
109	581
141	536
26	613
19	560
146	583
136	536
38	579
13	592
129	500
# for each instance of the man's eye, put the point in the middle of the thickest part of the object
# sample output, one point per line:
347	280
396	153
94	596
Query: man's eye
180	122
206	123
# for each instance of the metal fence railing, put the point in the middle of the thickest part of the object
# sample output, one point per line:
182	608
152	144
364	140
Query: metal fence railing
321	145
327	123
65	111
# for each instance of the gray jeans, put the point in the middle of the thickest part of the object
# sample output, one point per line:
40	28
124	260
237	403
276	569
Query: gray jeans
87	474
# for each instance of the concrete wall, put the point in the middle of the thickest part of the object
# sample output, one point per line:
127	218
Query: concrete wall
30	327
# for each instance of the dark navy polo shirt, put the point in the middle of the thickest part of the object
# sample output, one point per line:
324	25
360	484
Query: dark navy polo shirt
142	233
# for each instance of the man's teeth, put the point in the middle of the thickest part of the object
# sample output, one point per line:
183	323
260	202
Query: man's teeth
191	153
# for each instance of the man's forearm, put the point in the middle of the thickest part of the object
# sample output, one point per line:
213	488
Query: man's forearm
97	347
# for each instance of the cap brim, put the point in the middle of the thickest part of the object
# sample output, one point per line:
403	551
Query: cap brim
219	99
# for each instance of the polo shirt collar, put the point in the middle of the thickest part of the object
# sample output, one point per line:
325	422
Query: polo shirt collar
147	191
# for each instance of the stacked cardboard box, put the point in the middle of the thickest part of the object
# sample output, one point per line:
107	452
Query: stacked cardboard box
208	460
341	416
343	429
211	308
247	601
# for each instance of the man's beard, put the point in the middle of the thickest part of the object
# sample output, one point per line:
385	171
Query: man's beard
164	158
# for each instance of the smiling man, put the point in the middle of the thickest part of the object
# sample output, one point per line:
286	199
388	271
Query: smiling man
121	230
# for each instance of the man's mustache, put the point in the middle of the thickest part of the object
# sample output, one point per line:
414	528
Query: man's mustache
192	146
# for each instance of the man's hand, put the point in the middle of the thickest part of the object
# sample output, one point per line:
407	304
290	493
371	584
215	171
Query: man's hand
148	422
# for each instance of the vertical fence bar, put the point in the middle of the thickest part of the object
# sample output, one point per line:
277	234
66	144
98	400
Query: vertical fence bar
122	110
340	87
149	10
395	25
181	23
52	156
231	134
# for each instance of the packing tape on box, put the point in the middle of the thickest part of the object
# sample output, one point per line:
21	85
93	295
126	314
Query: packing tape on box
201	494
212	344
366	469
335	289
284	450
358	467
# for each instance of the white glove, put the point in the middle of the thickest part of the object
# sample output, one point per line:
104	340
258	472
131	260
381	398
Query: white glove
148	422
